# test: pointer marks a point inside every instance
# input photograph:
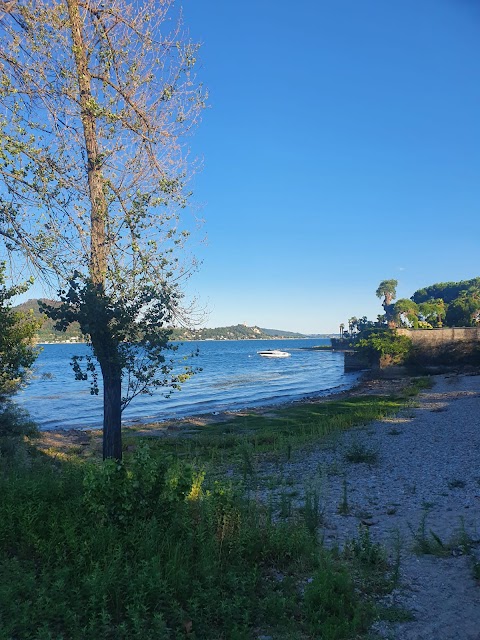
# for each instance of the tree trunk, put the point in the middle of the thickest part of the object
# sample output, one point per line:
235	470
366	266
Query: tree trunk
112	374
112	414
99	208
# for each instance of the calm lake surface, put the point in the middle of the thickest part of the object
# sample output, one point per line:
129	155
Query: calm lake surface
233	377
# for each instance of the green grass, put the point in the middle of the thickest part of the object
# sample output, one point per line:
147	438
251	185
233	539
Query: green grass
277	437
162	547
143	550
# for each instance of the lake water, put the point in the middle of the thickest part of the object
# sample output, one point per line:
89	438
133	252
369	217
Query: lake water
233	377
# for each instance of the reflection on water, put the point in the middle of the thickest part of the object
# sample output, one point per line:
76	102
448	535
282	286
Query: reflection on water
233	376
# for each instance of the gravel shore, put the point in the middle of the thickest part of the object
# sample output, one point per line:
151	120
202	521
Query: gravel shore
423	477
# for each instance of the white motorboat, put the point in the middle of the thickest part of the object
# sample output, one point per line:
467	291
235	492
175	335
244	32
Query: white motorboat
274	353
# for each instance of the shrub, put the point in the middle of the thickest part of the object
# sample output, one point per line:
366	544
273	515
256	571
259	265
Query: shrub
15	424
382	343
119	492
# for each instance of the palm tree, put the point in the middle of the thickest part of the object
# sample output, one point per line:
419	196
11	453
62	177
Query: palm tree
387	289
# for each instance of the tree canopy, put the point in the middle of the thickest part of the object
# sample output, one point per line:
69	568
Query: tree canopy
450	303
100	98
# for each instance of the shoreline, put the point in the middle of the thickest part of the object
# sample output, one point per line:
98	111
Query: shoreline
367	384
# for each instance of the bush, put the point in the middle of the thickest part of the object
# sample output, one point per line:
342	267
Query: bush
117	492
385	343
15	424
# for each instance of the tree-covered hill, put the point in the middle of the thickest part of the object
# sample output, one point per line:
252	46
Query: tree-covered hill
234	332
47	333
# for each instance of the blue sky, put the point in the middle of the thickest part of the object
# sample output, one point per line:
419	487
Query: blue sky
341	147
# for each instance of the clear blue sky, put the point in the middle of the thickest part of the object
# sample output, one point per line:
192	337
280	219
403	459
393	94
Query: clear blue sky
341	147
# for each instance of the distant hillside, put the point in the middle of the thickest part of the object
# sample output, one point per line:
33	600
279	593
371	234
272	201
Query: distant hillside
235	332
277	333
47	333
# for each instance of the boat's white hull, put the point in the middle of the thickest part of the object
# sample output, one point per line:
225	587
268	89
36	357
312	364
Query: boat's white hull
274	353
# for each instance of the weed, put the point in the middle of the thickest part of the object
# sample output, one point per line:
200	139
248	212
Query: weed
247	463
430	543
418	384
343	507
394	432
285	505
334	468
312	512
397	553
411	489
360	453
330	615
456	483
369	562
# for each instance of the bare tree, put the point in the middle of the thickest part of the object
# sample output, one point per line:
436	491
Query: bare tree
99	99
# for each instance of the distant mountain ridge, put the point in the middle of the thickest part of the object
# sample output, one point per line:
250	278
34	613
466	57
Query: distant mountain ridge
277	333
48	333
233	332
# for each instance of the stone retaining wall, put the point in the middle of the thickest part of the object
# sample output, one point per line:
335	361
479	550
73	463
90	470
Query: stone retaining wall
441	337
458	343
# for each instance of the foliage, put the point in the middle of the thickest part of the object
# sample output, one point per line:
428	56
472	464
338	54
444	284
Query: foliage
215	566
360	453
232	332
453	304
119	493
15	423
132	336
432	312
101	98
464	311
446	291
148	549
406	312
385	342
387	289
47	331
333	609
17	331
17	354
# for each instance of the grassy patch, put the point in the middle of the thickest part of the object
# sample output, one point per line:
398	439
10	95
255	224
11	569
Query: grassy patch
148	549
162	547
241	440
